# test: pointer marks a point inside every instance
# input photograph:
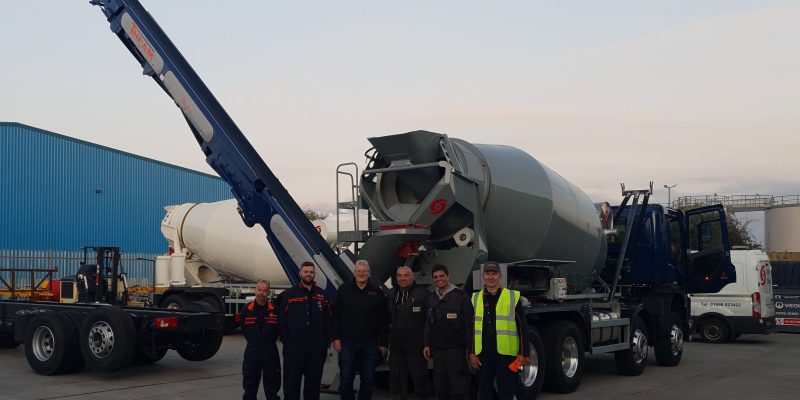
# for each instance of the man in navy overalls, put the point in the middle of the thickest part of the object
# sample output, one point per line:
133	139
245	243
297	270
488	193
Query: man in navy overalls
260	328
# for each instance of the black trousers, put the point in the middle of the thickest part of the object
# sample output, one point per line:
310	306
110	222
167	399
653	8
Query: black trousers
450	373
406	359
494	368
263	362
302	359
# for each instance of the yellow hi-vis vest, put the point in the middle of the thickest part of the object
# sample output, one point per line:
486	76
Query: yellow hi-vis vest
505	322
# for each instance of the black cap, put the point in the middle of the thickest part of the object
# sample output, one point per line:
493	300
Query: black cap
491	266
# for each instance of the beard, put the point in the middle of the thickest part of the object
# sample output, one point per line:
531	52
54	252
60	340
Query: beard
307	280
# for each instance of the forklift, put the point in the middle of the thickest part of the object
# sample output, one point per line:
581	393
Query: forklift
98	279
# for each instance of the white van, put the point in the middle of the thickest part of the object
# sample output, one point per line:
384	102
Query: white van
746	306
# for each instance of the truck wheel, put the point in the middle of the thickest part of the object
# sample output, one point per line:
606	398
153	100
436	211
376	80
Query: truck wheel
531	377
564	362
714	330
632	362
214	302
108	339
50	343
74	362
144	355
669	350
201	344
174	302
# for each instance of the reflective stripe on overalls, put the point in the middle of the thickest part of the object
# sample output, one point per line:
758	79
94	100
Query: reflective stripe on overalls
505	322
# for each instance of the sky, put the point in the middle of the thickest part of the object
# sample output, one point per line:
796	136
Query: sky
704	95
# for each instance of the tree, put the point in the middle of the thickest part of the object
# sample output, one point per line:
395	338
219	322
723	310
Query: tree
315	215
739	231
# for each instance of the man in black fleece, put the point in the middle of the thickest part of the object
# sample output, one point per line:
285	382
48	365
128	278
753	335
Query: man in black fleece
408	309
360	330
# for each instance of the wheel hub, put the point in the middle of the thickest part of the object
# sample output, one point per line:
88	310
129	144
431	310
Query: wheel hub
676	339
712	331
43	343
639	346
569	357
528	373
101	339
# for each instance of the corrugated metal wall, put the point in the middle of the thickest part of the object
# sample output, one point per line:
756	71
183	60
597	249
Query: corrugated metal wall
59	193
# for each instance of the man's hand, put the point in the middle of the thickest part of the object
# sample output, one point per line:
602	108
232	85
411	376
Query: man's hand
526	361
474	361
426	352
337	345
383	350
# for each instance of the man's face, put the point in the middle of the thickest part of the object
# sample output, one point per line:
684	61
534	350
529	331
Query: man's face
262	291
307	274
404	277
441	280
492	278
362	273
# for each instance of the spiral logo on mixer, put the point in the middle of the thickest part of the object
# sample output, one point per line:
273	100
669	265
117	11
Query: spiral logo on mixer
438	206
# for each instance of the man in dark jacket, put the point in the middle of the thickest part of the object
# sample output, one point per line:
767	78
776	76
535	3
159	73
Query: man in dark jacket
408	308
360	330
447	335
260	329
305	326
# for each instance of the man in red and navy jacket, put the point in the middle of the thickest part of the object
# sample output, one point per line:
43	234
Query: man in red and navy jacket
305	326
260	329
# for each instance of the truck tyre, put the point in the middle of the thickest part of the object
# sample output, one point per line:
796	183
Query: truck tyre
174	302
213	301
144	355
201	344
564	360
632	362
714	330
669	349
107	339
74	362
531	377
50	344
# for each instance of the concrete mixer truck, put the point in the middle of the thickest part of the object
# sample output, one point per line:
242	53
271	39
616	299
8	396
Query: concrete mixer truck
215	259
589	287
619	287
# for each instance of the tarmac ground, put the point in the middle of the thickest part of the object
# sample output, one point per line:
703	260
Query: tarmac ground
754	366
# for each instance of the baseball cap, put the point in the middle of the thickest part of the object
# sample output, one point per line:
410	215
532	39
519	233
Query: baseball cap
491	266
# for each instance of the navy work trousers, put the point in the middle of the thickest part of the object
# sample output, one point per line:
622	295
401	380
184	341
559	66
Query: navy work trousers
361	357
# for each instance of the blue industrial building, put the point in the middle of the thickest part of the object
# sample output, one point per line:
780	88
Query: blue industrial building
58	193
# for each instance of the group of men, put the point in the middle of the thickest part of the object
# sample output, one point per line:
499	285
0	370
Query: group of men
484	332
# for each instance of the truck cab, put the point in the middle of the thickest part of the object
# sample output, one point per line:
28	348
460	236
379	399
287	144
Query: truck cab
688	250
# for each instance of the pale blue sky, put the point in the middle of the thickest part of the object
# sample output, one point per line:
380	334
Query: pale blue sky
703	94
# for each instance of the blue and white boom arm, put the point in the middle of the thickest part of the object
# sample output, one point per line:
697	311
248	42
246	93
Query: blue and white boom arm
262	198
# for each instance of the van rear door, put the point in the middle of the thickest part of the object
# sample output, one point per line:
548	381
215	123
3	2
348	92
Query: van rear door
709	257
765	288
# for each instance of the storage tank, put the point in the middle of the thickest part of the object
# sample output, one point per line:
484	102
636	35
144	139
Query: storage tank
782	229
426	187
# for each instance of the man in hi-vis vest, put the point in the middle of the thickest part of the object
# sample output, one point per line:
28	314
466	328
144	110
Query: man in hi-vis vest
498	343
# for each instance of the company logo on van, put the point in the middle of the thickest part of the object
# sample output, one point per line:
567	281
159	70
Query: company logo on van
779	305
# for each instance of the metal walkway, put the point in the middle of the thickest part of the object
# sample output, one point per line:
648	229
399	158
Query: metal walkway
739	202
